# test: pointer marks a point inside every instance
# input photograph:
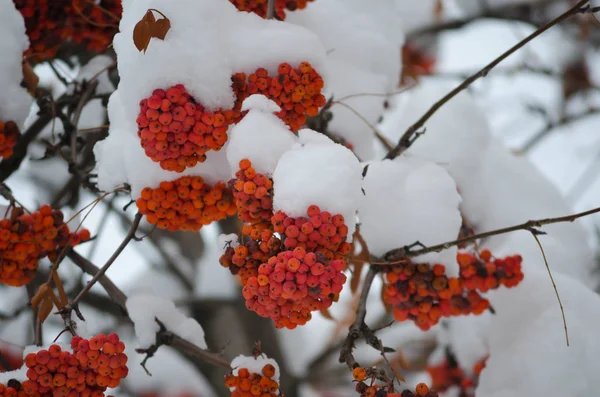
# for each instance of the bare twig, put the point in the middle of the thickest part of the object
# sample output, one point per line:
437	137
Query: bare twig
130	235
550	126
85	97
562	310
111	289
400	255
410	134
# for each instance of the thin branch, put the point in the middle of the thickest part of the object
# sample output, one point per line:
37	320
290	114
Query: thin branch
130	235
562	310
111	289
356	329
410	134
85	97
271	9
550	126
400	255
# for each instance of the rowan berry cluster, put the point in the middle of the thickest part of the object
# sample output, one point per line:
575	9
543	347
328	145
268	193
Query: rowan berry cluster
297	91
27	238
366	386
253	193
249	384
255	249
483	272
89	370
292	285
319	232
185	204
9	134
259	7
50	23
448	374
177	131
424	294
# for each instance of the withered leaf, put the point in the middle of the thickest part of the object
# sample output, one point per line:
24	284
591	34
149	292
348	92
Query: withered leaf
160	28
141	35
45	309
30	79
41	293
64	300
356	273
149	27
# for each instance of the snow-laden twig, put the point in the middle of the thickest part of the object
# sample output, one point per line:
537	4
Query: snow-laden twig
411	133
165	337
400	255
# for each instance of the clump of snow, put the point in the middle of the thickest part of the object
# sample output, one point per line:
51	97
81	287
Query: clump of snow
328	176
363	41
18	374
208	42
409	200
144	309
228	240
528	352
97	68
15	102
254	364
260	137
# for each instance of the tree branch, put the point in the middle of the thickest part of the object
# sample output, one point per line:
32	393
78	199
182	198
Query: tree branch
411	133
400	255
130	235
165	337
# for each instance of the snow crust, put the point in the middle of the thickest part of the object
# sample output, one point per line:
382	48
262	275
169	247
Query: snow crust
14	101
260	137
409	200
326	175
144	308
254	364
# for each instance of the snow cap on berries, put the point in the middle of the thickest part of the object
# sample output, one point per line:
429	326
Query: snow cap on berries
260	137
254	364
325	175
14	101
409	200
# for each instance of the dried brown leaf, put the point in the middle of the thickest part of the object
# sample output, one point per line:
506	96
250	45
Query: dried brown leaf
41	293
64	300
160	28
141	35
45	309
149	17
30	79
356	274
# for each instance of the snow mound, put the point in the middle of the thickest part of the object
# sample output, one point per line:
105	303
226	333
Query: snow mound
260	137
409	200
528	352
144	309
254	364
328	176
15	102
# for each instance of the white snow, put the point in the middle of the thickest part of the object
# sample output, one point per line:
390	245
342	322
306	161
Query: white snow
14	101
254	365
260	137
528	352
145	308
409	200
363	41
328	176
